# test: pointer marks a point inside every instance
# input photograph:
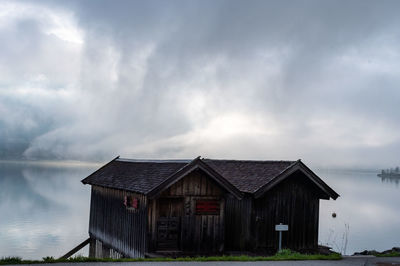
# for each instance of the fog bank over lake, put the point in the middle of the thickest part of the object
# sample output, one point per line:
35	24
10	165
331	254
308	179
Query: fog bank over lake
44	209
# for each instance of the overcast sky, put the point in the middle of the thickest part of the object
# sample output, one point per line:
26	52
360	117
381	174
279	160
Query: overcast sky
89	80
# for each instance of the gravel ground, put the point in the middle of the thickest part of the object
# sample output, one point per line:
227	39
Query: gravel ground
352	261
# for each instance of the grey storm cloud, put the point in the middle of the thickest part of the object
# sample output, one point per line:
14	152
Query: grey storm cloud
87	80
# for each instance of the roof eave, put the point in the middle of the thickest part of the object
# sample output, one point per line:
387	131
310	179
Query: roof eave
85	182
333	194
298	165
120	188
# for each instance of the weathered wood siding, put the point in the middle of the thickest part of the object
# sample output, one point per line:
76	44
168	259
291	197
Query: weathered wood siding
238	223
295	202
199	233
116	226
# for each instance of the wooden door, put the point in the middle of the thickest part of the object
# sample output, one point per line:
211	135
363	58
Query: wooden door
169	223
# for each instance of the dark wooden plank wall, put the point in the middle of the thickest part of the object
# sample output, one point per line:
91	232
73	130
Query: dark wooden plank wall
295	202
122	229
199	233
238	223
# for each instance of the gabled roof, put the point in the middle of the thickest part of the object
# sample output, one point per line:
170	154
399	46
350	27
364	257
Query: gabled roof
301	167
196	164
150	177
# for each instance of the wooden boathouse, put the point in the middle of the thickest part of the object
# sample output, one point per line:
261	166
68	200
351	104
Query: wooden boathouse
202	206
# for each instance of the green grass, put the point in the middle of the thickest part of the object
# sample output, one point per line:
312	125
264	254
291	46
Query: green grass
391	254
10	260
284	254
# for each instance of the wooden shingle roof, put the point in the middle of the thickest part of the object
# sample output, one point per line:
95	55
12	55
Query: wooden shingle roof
248	176
237	176
137	176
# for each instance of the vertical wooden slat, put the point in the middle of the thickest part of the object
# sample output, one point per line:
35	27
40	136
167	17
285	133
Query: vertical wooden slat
296	202
114	225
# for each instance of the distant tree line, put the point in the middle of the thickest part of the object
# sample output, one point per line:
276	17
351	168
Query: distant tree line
391	171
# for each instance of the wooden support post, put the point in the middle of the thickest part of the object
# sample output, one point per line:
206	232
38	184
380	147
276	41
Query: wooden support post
76	249
106	252
92	248
99	249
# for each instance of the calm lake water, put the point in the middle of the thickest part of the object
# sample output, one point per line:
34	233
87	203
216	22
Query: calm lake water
44	210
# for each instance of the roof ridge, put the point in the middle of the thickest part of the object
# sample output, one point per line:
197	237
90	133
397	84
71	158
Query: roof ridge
153	160
256	161
189	160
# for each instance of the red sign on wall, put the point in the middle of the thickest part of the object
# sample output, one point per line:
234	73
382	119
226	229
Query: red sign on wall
131	202
207	207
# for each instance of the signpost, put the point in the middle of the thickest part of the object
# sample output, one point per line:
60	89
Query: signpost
281	227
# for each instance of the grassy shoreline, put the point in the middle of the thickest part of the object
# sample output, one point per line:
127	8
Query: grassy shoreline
391	254
283	255
280	256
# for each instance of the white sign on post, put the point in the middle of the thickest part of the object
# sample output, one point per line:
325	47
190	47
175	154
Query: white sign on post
281	227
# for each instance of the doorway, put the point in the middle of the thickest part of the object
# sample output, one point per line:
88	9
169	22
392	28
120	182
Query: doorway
169	224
